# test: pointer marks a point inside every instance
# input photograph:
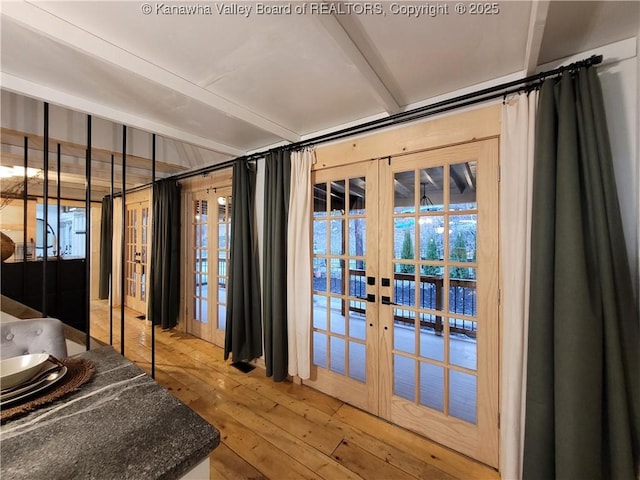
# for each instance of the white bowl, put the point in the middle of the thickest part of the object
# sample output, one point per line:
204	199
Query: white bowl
16	370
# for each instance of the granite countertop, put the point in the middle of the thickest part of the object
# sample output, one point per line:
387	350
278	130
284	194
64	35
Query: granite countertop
121	424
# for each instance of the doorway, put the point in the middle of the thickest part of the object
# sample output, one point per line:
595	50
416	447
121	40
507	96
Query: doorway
405	292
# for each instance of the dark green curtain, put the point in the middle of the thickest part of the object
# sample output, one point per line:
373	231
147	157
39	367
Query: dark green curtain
583	371
106	246
243	334
277	179
164	291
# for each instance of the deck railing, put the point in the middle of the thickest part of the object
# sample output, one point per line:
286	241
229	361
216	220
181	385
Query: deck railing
462	299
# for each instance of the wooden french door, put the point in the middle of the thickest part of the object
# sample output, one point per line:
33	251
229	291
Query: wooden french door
137	254
210	218
405	317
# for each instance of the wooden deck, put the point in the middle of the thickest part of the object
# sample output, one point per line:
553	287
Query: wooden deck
280	430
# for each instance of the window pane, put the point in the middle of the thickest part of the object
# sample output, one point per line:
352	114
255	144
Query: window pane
357	236
404	330
462	238
431	339
404	240
357	205
320	312
320	237
320	349
320	274
432	386
337	197
404	377
404	196
462	343
320	200
431	198
357	361
462	396
337	237
462	186
337	355
462	291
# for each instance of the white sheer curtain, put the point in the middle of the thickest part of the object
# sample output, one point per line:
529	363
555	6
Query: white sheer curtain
117	249
299	264
516	158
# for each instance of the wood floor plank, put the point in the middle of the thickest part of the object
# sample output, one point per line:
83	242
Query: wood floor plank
226	464
270	460
423	449
367	465
280	430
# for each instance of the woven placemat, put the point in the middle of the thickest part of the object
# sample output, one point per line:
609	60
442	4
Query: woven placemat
79	371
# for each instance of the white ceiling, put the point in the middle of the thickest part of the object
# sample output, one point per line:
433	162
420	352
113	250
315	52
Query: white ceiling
219	85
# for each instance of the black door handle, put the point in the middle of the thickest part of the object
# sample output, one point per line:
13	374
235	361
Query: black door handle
369	298
387	301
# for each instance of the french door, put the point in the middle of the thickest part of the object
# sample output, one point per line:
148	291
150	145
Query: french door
136	258
210	218
405	300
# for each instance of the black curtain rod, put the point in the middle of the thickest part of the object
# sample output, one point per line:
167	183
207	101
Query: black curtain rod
461	101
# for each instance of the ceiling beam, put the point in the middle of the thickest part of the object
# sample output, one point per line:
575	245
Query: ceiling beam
341	37
537	23
36	18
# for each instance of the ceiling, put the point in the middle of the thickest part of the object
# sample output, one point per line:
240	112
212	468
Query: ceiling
217	84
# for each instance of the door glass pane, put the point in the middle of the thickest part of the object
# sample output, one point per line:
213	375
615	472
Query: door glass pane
431	287
404	192
404	284
431	195
320	237
357	361
357	279
462	238
320	312
337	355
462	396
338	315
404	330
431	339
462	291
337	276
222	317
404	240
320	274
462	343
357	200
320	349
357	236
432	386
337	238
431	238
404	377
320	200
462	186
357	320
337	197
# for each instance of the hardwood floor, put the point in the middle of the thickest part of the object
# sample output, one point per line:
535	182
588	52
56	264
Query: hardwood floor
280	430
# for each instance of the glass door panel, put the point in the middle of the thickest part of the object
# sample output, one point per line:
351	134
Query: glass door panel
343	334
210	218
443	318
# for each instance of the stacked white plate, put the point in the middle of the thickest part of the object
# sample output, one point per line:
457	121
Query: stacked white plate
25	375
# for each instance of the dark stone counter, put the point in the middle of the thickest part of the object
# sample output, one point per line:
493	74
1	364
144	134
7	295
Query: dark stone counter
121	424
